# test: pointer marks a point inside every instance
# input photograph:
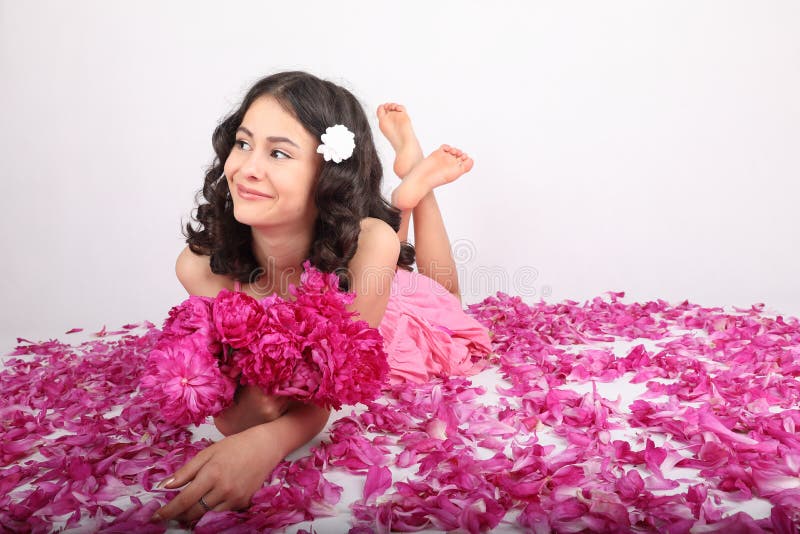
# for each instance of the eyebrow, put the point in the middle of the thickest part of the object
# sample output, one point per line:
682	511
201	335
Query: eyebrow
271	139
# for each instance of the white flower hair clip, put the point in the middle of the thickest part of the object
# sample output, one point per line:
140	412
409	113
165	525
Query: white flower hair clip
338	143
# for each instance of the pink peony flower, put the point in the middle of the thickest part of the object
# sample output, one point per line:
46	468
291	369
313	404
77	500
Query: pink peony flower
185	380
193	317
237	318
312	350
190	316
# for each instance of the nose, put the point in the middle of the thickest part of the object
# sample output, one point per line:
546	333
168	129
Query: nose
254	167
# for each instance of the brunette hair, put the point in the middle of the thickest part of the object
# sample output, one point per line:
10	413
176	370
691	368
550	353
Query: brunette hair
346	192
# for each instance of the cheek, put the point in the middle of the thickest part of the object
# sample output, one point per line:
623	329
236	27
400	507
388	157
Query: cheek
233	161
306	191
229	167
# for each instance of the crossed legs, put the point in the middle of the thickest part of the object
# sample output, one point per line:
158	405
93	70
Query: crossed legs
414	196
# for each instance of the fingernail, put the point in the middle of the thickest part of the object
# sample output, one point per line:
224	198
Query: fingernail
156	517
165	482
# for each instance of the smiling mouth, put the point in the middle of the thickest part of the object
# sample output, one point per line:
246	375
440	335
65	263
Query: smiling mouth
250	195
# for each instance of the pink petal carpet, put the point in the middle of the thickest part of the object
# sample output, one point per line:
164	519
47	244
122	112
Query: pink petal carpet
603	416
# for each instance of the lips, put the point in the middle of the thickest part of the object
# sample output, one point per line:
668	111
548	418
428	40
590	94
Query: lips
245	192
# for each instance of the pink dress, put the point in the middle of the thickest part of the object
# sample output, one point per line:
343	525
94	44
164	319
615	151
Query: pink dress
426	332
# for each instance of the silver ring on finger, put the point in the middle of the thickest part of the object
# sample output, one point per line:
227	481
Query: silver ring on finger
204	504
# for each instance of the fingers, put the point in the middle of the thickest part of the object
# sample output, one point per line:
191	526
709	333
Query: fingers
215	499
186	498
188	471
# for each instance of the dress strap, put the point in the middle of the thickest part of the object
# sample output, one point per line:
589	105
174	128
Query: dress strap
237	286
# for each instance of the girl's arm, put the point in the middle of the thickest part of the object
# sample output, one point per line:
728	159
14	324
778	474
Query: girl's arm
293	429
372	269
230	471
371	272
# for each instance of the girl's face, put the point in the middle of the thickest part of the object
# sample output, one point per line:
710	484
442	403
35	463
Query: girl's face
277	158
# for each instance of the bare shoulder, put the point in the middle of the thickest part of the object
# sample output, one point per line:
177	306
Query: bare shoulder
377	238
194	273
378	227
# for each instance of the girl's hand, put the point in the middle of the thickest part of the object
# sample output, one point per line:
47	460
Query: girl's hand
226	474
250	407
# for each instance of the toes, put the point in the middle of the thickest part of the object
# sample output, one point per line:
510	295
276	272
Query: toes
453	151
387	107
457	153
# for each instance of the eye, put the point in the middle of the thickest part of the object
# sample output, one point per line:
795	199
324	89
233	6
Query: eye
280	154
239	143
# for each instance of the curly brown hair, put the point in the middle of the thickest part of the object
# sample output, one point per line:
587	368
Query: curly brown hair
346	192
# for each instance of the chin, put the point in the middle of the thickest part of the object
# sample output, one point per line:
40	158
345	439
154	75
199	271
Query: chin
244	217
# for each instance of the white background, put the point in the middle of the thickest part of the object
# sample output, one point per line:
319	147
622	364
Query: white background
645	147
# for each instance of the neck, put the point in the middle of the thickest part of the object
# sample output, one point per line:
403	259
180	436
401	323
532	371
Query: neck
280	255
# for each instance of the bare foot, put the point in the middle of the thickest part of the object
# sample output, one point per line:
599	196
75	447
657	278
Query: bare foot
443	166
395	124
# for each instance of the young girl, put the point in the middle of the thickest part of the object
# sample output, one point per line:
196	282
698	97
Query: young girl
288	185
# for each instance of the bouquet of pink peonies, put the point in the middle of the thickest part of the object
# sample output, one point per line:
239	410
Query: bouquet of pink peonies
310	349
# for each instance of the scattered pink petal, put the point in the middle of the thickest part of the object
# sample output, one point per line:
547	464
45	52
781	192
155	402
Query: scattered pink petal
726	404
379	479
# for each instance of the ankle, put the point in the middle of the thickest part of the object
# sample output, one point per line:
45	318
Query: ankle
406	160
429	198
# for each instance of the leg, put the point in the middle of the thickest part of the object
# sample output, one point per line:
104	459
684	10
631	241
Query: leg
434	257
395	124
402	233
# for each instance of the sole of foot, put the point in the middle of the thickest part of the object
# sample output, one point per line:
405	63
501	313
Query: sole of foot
442	166
395	124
